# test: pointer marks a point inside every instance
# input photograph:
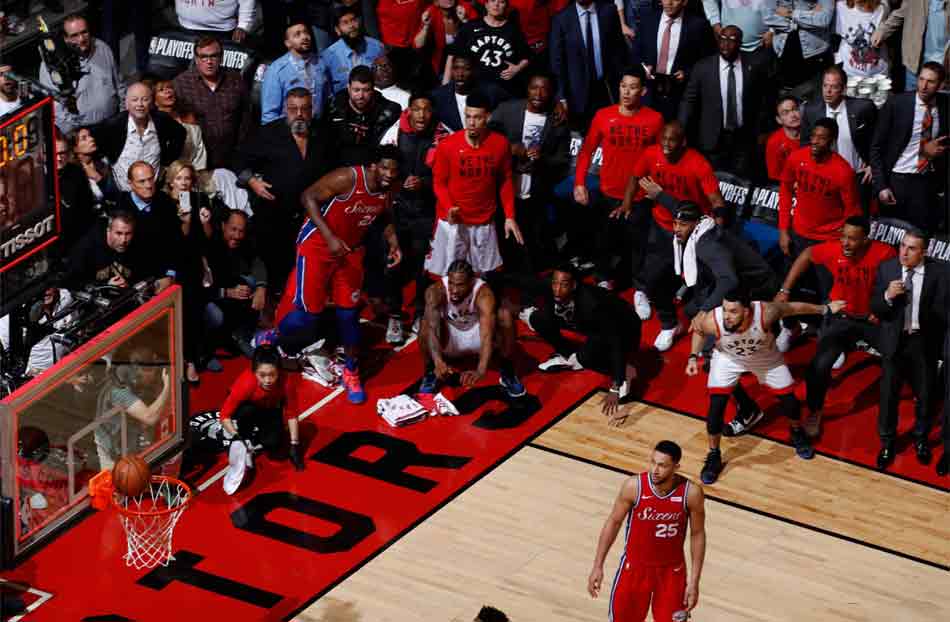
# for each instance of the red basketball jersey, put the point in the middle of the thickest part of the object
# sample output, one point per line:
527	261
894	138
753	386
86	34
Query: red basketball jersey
656	525
348	216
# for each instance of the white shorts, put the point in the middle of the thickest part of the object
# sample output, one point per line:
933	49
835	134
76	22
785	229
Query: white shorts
463	342
724	373
476	244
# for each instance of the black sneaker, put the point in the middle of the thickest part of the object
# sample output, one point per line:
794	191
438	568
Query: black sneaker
741	423
802	444
712	467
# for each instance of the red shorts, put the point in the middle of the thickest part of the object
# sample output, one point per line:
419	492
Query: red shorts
319	277
635	585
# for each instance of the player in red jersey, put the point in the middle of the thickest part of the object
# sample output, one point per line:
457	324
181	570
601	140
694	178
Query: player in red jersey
622	132
341	206
657	505
783	141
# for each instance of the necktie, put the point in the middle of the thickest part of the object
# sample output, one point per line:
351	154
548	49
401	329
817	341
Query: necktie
664	48
926	133
732	109
834	116
591	63
909	300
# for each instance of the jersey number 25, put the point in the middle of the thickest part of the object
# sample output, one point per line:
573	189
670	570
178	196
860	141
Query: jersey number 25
666	530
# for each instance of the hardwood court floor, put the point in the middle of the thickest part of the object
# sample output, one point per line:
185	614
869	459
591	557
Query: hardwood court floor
523	538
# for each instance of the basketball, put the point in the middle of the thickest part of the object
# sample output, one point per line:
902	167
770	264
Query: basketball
131	476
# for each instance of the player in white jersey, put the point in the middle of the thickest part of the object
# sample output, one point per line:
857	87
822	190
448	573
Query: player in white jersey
461	319
745	343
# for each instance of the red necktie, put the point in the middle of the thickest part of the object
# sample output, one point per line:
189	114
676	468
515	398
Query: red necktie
664	48
926	133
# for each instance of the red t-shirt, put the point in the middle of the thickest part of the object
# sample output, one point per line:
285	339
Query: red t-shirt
473	178
247	389
691	178
825	195
399	20
777	150
622	139
534	17
854	276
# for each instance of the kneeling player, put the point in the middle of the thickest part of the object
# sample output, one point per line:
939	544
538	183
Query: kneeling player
462	318
746	343
657	504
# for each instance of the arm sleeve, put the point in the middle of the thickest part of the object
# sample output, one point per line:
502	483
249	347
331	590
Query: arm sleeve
849	193
773	20
246	9
879	306
690	100
556	55
821	253
719	261
440	182
594	136
241	391
711	8
506	187
785	197
880	178
818	18
271	96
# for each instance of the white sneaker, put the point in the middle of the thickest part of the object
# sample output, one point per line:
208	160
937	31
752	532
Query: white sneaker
237	465
525	316
606	284
839	363
319	368
641	304
784	340
394	332
664	341
249	456
417	325
559	363
316	346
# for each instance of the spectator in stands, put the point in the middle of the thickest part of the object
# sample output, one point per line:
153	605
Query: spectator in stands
853	262
357	118
352	50
384	73
99	90
239	284
116	14
298	68
9	92
96	167
166	100
472	171
76	201
855	23
908	153
498	46
439	25
230	19
534	19
672	42
749	18
193	208
220	99
398	22
610	327
540	153
416	135
585	86
802	42
139	134
623	132
910	300
277	164
856	118
109	255
449	99
923	36
783	141
724	103
666	174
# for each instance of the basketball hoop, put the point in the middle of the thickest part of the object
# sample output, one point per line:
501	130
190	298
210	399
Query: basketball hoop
148	519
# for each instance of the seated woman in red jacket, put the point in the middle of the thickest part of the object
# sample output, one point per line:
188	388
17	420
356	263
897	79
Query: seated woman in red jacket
257	406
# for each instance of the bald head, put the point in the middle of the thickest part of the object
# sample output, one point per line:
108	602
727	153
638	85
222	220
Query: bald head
138	101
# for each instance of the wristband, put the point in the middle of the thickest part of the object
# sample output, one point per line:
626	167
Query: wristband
783	290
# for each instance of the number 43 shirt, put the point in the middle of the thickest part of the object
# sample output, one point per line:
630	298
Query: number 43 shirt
493	46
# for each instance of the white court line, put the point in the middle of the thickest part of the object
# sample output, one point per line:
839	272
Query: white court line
326	399
43	597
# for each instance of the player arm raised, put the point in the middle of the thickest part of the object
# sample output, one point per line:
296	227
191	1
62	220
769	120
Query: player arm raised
695	503
149	414
334	183
485	302
775	311
608	533
802	263
432	328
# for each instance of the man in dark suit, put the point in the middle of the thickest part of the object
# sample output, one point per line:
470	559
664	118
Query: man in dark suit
669	45
854	137
908	153
448	100
586	73
284	157
910	299
723	105
540	153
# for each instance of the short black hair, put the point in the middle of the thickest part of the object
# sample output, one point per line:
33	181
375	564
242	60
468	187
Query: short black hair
835	69
460	265
362	73
490	614
634	71
920	234
236	212
738	294
787	97
566	268
688	211
859	221
420	95
265	355
342	11
120	213
934	66
671	449
462	53
297	19
478	100
829	124
298	91
385	152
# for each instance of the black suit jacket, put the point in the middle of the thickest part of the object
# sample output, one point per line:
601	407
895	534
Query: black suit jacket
552	166
158	233
701	110
932	313
725	261
568	53
111	135
446	110
895	123
695	42
862	118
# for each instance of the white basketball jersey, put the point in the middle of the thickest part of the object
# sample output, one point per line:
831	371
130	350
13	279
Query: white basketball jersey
753	347
462	316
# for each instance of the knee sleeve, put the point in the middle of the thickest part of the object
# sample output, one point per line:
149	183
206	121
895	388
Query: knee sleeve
297	321
348	325
717	410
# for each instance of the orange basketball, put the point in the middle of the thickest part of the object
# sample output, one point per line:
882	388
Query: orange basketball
131	476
